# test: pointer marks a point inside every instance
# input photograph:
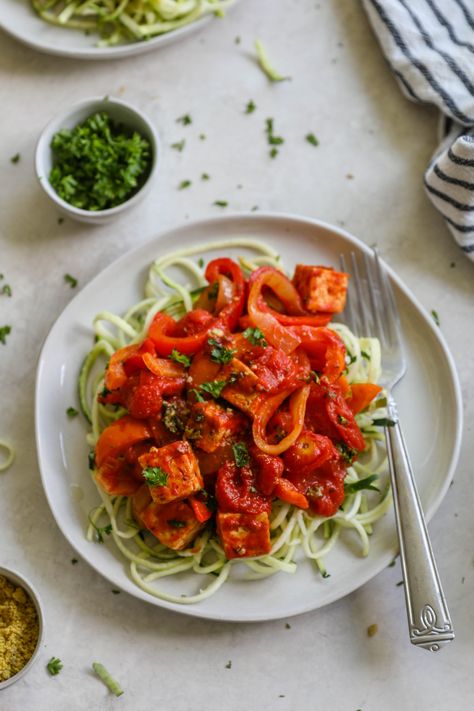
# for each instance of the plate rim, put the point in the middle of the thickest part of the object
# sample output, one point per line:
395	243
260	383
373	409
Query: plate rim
200	223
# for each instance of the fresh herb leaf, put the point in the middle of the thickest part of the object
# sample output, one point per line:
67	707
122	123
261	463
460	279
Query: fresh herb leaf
250	108
265	64
435	317
155	476
205	176
273	153
361	484
180	358
15	158
214	388
347	453
202	136
72	412
104	675
197	395
54	666
4	331
184	120
6	289
287	626
101	531
311	138
70	280
365	355
179	145
184	184
201	264
219	353
176	523
115	591
98	164
255	336
383	422
271	138
241	454
91	459
221	203
228	665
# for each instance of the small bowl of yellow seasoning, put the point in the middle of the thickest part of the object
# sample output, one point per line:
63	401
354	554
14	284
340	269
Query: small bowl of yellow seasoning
21	627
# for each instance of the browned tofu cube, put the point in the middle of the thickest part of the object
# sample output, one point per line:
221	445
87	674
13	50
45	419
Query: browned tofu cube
174	524
210	425
244	535
321	288
140	501
171	472
242	389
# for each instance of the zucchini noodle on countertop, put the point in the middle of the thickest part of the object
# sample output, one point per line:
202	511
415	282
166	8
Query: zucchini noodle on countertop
7	460
292	530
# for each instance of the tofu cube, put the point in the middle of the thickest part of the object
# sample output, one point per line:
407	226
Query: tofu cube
140	501
242	389
176	465
321	288
210	425
173	524
244	535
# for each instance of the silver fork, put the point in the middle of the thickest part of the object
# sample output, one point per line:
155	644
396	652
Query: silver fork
371	311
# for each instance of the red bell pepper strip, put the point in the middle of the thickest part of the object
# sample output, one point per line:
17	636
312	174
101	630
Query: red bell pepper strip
229	315
163	329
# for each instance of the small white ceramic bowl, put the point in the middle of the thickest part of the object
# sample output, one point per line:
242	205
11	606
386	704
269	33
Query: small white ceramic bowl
119	111
18	580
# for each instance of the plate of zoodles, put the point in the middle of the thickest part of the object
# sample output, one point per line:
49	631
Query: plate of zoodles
106	29
229	460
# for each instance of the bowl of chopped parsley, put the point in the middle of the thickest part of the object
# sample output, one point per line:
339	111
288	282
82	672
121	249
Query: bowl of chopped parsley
97	159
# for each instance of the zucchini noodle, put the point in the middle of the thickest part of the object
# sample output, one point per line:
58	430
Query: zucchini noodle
118	21
7	461
173	285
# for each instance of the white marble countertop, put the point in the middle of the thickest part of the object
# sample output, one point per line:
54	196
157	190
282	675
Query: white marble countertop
343	91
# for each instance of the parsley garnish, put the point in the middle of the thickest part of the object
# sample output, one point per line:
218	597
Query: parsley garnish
241	454
15	158
435	317
176	523
205	176
383	422
54	666
115	592
214	388
250	108
91	459
271	138
4	331
365	355
179	145
72	412
98	164
70	280
219	353
228	665
311	138
197	395
185	120
273	153
255	336
347	453
100	531
180	358
6	289
155	476
361	484
184	184
202	136
221	203
74	561
201	263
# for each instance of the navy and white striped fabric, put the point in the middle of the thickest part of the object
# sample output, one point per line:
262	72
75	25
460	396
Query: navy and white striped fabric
429	44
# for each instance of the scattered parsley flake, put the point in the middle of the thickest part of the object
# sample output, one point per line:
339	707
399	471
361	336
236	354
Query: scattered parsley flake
155	476
255	337
54	666
101	531
176	523
383	422
205	176
287	626
229	665
184	184
15	158
241	454
180	358
219	353
4	332
250	108
254	208
237	40
392	564
311	138
184	120
60	220
372	630
200	262
361	484
104	675
400	582
214	388
6	289
265	64
114	591
435	317
365	355
91	459
74	561
72	412
271	138
179	145
202	136
197	395
273	153
70	280
220	203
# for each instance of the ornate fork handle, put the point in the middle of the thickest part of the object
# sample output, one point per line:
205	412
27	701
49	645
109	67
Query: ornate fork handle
429	622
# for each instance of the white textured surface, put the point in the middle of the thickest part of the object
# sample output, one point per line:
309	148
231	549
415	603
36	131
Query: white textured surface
343	91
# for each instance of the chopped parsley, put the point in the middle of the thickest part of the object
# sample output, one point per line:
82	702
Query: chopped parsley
6	289
4	332
311	138
219	353
271	138
197	395
15	158
54	666
155	476
176	523
200	262
184	184
70	280
115	591
273	153
384	422
91	459
347	453
101	531
214	388
221	203
205	176
265	64
365	355
250	108
179	145
180	358
184	120
255	336
229	665
202	136
435	317
98	164
72	412
361	484
74	561
241	454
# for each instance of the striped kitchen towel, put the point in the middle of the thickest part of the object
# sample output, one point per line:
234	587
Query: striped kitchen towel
429	45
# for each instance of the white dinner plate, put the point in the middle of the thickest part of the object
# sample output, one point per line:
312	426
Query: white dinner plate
19	20
428	397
